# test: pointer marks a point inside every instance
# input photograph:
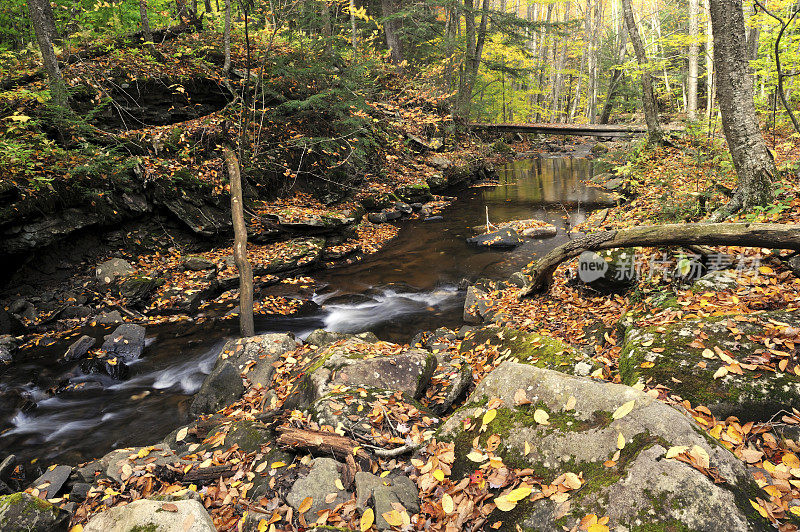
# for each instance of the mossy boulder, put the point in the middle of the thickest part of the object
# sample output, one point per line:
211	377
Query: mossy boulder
685	356
530	348
640	488
22	512
611	271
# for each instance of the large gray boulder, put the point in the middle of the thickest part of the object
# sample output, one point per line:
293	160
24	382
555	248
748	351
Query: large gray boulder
686	356
253	356
121	464
580	434
382	494
113	269
22	512
126	342
318	484
156	516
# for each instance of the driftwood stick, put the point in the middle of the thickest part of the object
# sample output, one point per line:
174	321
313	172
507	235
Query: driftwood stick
326	443
782	236
208	474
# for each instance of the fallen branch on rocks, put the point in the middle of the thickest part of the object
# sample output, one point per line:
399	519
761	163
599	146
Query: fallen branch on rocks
324	443
782	236
398	451
209	474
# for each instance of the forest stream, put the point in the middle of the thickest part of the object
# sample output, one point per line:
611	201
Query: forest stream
410	285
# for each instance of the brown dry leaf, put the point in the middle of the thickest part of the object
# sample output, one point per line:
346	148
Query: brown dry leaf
169	507
521	398
305	505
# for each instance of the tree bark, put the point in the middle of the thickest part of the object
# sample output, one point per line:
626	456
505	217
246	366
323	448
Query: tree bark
654	132
246	326
691	79
781	236
613	82
390	30
324	443
145	21
226	38
44	37
475	40
754	165
353	29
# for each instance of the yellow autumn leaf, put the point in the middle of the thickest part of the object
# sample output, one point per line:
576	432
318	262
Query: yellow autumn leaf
393	517
144	451
541	417
438	475
503	504
447	504
339	485
476	456
759	509
766	270
597	528
182	434
489	416
676	450
795	510
623	410
305	505
570	403
263	525
519	493
367	519
527	449
620	441
791	460
721	372
276	465
76	528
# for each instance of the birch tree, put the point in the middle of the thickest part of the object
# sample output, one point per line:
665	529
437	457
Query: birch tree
691	79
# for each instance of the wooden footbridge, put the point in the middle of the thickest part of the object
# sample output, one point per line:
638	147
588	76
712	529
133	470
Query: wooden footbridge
589	130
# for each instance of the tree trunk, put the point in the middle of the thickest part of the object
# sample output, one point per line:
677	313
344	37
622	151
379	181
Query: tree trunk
145	21
654	132
246	326
353	29
226	38
613	82
207	4
754	165
542	53
709	61
472	61
781	236
58	88
691	79
390	30
50	21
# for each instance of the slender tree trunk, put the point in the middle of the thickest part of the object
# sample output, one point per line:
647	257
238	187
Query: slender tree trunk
540	91
576	102
353	29
246	326
709	62
691	79
472	61
145	21
50	21
58	88
754	165
591	106
207	4
390	30
613	82
226	37
654	132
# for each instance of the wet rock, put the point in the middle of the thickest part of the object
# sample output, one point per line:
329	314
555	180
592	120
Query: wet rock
540	232
518	279
118	461
505	238
249	435
79	348
678	366
348	364
126	342
137	289
403	207
608	272
392	214
321	337
529	348
382	493
222	386
257	352
377	217
146	515
614	184
599	148
794	265
318	484
433	219
75	312
110	318
475	305
8	346
51	482
716	281
113	269
79	491
10	324
643	486
7	466
21	512
440	163
456	389
197	263
416	207
23	309
114	367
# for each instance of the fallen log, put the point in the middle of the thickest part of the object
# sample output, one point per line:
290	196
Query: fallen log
781	236
208	474
324	443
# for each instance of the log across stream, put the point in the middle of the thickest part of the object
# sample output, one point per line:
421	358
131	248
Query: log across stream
410	285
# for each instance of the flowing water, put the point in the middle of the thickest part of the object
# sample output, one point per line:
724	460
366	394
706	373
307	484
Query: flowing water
410	285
